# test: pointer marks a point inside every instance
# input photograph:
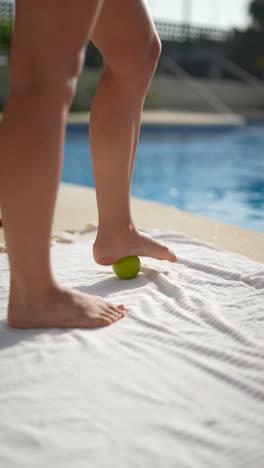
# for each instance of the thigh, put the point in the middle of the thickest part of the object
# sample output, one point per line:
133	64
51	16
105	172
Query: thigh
48	34
123	28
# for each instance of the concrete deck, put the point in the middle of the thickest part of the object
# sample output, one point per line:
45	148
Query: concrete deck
77	207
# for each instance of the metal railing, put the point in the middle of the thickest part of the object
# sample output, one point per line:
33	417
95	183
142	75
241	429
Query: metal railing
6	10
182	32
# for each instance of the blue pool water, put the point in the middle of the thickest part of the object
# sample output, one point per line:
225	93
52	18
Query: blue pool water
215	174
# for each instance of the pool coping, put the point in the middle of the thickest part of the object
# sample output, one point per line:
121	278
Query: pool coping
172	119
182	120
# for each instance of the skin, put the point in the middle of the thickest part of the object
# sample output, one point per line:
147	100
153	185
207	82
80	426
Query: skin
46	61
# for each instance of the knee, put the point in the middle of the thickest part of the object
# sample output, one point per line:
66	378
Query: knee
144	60
152	55
57	82
138	62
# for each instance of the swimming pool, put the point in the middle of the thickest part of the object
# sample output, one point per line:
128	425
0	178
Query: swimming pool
215	174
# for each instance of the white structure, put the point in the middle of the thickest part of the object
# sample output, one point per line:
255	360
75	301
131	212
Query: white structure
7	12
7	9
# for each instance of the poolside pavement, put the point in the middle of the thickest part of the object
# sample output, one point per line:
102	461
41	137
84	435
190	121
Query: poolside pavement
183	118
76	207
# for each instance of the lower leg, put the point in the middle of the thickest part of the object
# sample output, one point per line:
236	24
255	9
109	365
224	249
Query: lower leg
114	128
31	156
114	132
43	80
31	144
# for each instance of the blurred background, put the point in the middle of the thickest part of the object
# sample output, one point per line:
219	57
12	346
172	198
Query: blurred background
220	43
201	145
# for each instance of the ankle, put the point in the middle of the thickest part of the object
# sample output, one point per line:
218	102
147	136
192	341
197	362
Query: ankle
111	229
25	294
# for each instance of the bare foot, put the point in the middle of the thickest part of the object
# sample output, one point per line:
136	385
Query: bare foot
109	248
63	308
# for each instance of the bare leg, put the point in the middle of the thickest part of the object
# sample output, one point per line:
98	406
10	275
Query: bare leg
43	73
126	37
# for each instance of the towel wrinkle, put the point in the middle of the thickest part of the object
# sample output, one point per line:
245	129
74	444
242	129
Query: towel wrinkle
179	382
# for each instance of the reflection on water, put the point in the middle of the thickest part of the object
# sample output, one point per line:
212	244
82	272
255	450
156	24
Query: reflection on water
220	176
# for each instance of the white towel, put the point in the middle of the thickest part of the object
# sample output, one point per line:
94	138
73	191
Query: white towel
178	383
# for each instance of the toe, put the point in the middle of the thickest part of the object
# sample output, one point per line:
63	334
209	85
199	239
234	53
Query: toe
108	318
110	314
171	256
164	253
102	321
118	313
111	318
113	312
121	310
167	254
105	321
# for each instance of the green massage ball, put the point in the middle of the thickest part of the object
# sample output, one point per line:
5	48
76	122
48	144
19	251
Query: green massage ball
127	268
